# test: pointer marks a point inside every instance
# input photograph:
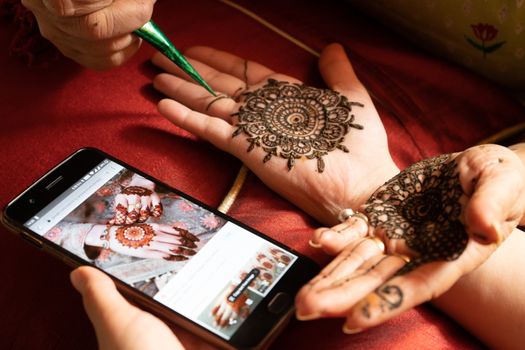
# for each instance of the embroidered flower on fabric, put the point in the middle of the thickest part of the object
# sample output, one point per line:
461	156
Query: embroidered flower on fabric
185	206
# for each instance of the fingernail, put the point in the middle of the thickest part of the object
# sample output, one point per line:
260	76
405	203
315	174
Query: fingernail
309	317
314	245
347	330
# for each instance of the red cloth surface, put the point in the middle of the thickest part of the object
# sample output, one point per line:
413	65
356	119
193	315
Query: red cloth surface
428	107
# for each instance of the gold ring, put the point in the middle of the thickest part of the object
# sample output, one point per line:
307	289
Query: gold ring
348	213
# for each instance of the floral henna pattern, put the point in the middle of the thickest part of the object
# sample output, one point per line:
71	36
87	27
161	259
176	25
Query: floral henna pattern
135	236
293	121
421	205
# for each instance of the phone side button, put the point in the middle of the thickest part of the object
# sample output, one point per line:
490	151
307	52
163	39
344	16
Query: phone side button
280	302
31	239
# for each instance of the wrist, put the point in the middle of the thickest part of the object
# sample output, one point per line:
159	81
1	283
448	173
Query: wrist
139	181
351	194
94	236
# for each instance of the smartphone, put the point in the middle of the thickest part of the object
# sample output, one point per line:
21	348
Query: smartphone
178	258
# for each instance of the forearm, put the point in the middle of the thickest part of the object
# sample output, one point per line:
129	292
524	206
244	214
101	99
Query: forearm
489	301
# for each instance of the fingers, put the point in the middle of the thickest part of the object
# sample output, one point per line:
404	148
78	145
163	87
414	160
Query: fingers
494	179
352	275
214	130
117	322
104	305
67	8
333	240
400	294
96	34
195	97
247	71
221	82
337	71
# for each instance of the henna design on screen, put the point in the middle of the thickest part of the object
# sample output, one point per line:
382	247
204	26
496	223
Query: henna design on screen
292	121
421	206
135	236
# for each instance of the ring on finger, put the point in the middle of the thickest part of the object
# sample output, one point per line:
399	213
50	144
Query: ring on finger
348	213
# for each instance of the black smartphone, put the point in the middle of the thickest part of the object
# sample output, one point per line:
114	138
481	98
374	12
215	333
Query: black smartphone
186	262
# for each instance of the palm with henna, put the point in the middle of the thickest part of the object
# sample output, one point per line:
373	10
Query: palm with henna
435	222
306	144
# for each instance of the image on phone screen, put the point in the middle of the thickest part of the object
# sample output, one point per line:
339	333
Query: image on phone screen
208	269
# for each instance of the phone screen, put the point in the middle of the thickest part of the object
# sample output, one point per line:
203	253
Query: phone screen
188	258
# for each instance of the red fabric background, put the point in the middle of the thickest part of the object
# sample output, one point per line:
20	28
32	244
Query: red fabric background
428	107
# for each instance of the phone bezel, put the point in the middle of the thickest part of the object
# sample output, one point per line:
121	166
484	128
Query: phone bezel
74	167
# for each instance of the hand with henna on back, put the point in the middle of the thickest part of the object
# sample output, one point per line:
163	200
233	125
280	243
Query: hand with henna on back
433	223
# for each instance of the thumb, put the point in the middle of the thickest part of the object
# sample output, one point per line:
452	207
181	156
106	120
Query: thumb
117	323
492	177
102	301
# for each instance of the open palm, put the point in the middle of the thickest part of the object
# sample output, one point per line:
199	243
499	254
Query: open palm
342	165
433	223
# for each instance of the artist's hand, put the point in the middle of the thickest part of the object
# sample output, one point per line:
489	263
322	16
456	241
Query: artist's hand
136	203
155	241
301	135
97	33
438	220
120	325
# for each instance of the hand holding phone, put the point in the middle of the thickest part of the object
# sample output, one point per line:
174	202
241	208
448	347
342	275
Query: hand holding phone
119	328
185	262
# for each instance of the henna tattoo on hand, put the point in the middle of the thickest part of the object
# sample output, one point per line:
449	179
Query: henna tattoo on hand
135	236
293	121
421	205
386	298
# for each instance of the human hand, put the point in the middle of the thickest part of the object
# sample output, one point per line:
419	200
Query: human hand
154	241
97	33
227	313
433	223
297	144
120	325
136	203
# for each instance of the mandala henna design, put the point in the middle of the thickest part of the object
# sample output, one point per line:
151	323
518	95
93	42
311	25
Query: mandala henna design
421	205
135	236
293	121
138	190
